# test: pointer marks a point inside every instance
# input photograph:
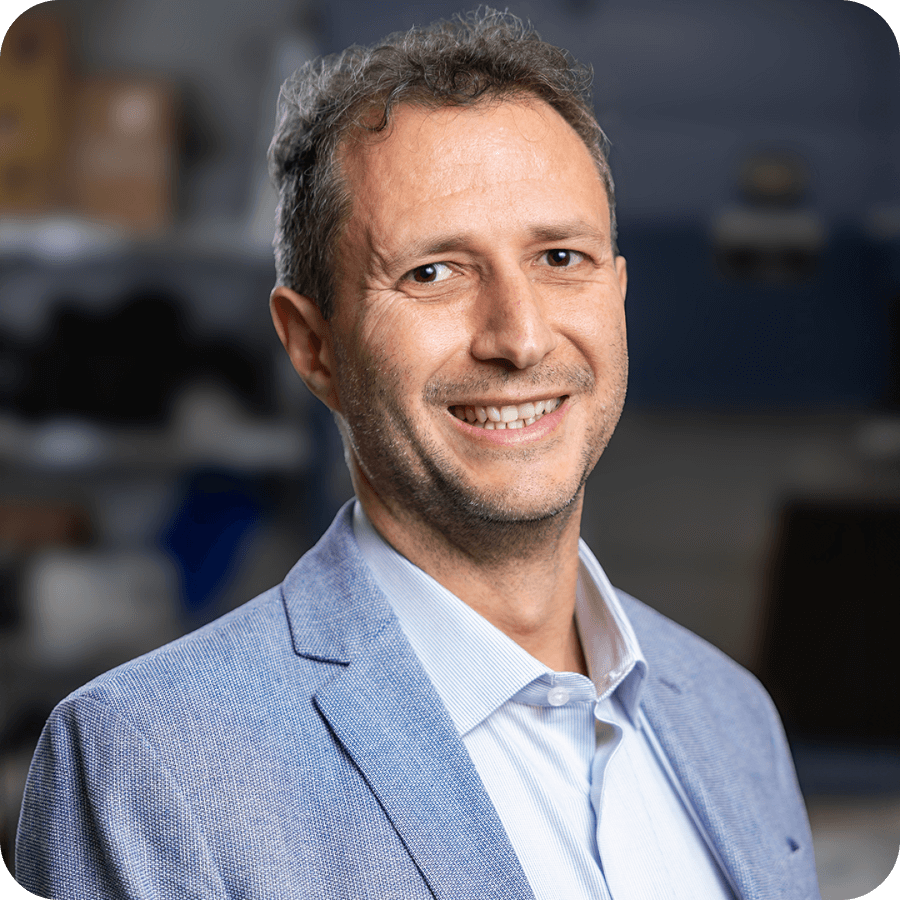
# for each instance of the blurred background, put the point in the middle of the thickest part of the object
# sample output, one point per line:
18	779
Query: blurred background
160	462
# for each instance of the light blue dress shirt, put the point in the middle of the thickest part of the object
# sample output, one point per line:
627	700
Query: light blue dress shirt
579	781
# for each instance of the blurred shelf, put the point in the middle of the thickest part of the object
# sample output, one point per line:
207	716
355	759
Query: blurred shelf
67	239
73	446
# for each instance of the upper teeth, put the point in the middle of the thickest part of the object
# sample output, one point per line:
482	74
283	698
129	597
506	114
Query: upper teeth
495	417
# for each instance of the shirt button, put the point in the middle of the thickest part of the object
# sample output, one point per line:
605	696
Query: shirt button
557	696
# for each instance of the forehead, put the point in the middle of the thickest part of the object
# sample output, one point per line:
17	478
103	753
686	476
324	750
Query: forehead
477	159
417	131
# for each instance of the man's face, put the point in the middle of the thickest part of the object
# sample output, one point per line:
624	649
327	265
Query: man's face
476	274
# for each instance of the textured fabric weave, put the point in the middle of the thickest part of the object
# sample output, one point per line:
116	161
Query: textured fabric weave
295	748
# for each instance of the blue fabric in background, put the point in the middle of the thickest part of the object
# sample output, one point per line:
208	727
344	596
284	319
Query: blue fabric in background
219	512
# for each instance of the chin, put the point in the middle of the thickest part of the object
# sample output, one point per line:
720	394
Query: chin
503	507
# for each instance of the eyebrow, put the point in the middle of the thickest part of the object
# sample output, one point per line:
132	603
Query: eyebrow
576	230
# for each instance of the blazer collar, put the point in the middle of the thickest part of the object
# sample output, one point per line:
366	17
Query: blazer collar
334	607
386	714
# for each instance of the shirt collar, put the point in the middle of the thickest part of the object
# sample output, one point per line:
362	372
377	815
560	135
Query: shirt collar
451	639
610	645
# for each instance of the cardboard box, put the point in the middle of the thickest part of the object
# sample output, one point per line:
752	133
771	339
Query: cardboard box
32	525
122	155
34	81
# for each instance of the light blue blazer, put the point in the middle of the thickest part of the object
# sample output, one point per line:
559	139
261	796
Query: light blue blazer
296	749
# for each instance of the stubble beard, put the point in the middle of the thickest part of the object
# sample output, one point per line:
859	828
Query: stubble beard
420	482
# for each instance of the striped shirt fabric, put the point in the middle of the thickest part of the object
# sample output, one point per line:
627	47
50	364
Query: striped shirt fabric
582	787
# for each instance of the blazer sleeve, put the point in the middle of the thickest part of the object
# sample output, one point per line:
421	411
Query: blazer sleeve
102	818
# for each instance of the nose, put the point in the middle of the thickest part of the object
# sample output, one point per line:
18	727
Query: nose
513	326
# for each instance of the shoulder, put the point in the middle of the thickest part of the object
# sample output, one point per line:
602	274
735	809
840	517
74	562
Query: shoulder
244	653
247	680
678	657
671	642
199	678
257	628
716	708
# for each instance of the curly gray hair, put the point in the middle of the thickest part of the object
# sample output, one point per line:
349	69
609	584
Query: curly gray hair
484	55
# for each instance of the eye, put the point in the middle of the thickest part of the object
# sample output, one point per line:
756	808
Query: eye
429	273
561	259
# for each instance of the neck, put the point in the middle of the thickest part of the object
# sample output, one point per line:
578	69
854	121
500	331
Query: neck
520	576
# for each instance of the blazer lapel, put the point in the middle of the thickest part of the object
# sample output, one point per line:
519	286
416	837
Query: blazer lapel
677	723
386	714
389	719
697	719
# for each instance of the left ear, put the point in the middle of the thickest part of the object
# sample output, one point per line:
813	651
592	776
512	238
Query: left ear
307	338
622	272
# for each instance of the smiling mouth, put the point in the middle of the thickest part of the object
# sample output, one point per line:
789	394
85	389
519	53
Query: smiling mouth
500	417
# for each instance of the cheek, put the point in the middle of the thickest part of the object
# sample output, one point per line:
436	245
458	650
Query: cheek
595	327
619	332
610	319
413	336
373	331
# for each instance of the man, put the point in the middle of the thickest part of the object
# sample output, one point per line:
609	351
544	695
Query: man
445	698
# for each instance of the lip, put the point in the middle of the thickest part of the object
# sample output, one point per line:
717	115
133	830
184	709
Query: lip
529	433
508	401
